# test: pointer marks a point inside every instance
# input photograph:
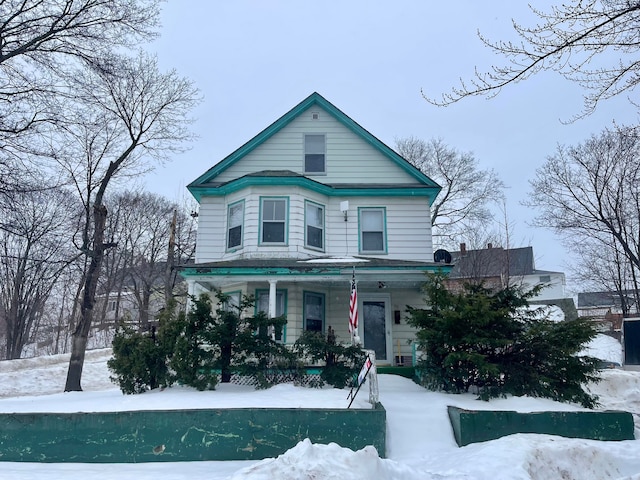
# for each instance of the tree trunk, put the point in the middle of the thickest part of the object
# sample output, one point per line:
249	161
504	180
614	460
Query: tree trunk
168	284
81	332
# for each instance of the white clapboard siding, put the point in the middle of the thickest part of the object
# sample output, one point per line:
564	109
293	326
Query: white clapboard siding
212	221
407	219
350	159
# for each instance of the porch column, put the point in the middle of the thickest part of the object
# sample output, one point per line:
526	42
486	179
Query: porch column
272	306
272	298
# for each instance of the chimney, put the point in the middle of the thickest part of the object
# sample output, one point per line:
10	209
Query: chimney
463	248
489	246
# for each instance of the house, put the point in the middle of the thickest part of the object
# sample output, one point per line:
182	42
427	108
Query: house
608	308
497	267
291	215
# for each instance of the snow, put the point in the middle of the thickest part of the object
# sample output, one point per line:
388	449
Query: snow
606	348
420	442
348	260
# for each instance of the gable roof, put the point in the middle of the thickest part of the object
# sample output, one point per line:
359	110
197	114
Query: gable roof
315	99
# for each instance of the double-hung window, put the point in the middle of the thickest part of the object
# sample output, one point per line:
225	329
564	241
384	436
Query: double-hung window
262	304
314	225
273	226
235	220
314	153
313	312
372	230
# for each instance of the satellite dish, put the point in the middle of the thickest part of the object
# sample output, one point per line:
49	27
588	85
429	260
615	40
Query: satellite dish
441	256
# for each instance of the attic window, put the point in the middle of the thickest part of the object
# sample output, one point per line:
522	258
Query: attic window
314	153
315	115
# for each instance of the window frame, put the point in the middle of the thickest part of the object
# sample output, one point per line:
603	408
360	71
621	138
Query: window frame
240	204
305	153
285	222
236	297
265	291
361	232
321	207
305	309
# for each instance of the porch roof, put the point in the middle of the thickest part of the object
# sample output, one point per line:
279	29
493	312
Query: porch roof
382	272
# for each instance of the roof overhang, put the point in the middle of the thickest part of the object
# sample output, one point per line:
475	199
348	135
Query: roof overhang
373	273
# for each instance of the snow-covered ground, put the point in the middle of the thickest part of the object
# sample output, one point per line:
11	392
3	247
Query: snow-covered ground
420	442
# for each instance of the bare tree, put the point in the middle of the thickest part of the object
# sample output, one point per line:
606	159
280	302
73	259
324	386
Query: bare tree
467	191
570	39
39	42
125	112
590	193
35	248
602	266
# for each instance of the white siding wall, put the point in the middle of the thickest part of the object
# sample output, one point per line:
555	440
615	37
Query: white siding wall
349	158
553	290
408	225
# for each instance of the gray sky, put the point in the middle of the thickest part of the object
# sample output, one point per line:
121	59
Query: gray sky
255	60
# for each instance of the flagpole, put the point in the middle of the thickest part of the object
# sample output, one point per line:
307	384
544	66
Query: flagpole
353	310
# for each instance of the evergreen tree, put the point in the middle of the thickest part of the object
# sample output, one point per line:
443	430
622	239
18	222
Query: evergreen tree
193	359
492	341
140	359
341	362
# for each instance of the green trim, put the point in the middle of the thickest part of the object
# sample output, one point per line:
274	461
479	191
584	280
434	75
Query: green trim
259	291
384	250
323	296
199	271
332	191
315	99
306	243
226	243
286	221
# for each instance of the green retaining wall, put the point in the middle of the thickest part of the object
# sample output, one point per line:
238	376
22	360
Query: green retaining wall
471	426
183	435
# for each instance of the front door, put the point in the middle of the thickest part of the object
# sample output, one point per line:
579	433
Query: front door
376	325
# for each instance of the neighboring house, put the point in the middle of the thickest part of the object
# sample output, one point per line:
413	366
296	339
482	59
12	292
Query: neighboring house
290	214
607	308
498	267
598	304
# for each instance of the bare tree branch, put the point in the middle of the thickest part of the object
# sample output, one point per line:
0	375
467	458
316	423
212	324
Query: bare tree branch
570	40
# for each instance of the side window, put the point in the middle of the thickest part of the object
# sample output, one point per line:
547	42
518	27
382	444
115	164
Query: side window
262	305
273	226
235	221
314	225
314	154
314	312
232	302
372	230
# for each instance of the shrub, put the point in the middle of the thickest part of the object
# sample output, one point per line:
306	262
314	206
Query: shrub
492	341
194	349
193	359
341	363
139	360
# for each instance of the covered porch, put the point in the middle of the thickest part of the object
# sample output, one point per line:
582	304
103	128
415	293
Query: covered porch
314	294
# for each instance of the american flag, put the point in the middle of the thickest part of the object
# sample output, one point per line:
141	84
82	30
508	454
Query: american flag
353	306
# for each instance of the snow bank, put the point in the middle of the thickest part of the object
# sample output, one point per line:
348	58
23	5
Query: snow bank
604	347
327	462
